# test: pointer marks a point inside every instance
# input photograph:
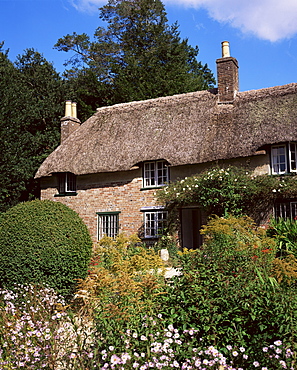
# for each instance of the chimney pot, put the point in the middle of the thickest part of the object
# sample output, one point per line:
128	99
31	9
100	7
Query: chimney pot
73	110
68	108
70	122
225	49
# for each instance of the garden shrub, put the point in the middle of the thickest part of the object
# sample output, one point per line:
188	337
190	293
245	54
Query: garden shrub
43	242
228	292
123	279
126	254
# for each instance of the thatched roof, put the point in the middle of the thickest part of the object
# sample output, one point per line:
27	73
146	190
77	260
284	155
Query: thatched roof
182	129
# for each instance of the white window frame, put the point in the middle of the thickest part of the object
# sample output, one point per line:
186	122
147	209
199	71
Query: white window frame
108	224
284	158
155	173
277	162
67	183
293	157
155	221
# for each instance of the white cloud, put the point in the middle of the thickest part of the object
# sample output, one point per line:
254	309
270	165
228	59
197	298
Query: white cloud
89	6
271	20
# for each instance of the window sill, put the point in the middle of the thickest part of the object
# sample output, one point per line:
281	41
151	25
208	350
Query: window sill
152	187
68	194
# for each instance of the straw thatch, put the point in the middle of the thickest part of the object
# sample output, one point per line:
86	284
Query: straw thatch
182	129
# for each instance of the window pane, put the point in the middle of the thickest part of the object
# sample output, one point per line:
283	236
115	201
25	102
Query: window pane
149	174
293	210
70	183
279	159
162	177
155	173
150	224
154	223
293	166
161	222
62	182
108	225
286	210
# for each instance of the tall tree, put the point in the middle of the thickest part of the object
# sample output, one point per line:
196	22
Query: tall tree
31	95
138	55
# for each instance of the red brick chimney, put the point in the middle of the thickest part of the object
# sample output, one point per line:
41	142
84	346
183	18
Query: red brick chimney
227	72
70	122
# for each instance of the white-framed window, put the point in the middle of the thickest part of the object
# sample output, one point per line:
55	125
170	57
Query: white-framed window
155	221
67	183
108	224
286	210
293	156
155	173
283	158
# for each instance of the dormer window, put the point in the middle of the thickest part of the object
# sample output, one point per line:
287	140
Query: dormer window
67	183
283	158
155	173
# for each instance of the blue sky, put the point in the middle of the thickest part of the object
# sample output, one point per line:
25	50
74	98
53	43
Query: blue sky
262	33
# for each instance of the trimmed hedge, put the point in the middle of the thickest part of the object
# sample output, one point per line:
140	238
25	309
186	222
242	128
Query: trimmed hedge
43	242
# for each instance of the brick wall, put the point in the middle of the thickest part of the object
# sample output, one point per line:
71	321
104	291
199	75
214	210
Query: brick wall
227	76
104	193
122	191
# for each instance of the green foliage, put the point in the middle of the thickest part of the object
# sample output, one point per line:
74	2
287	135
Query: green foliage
285	234
43	242
169	242
31	95
229	190
228	292
123	279
136	57
125	254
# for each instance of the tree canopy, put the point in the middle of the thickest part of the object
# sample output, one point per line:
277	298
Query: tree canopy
137	56
31	95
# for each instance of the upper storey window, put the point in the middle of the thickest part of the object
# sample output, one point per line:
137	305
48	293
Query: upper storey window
155	173
67	183
283	158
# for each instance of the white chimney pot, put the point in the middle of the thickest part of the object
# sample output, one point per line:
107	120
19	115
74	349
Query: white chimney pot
68	108
225	49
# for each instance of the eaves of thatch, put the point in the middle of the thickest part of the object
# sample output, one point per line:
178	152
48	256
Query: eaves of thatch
182	129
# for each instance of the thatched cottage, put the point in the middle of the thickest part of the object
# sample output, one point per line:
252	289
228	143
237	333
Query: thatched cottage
108	168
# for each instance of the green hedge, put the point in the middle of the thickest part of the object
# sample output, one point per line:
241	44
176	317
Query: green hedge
43	242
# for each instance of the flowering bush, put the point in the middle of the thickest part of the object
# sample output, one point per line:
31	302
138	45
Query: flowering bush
228	190
36	332
228	292
45	338
225	312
